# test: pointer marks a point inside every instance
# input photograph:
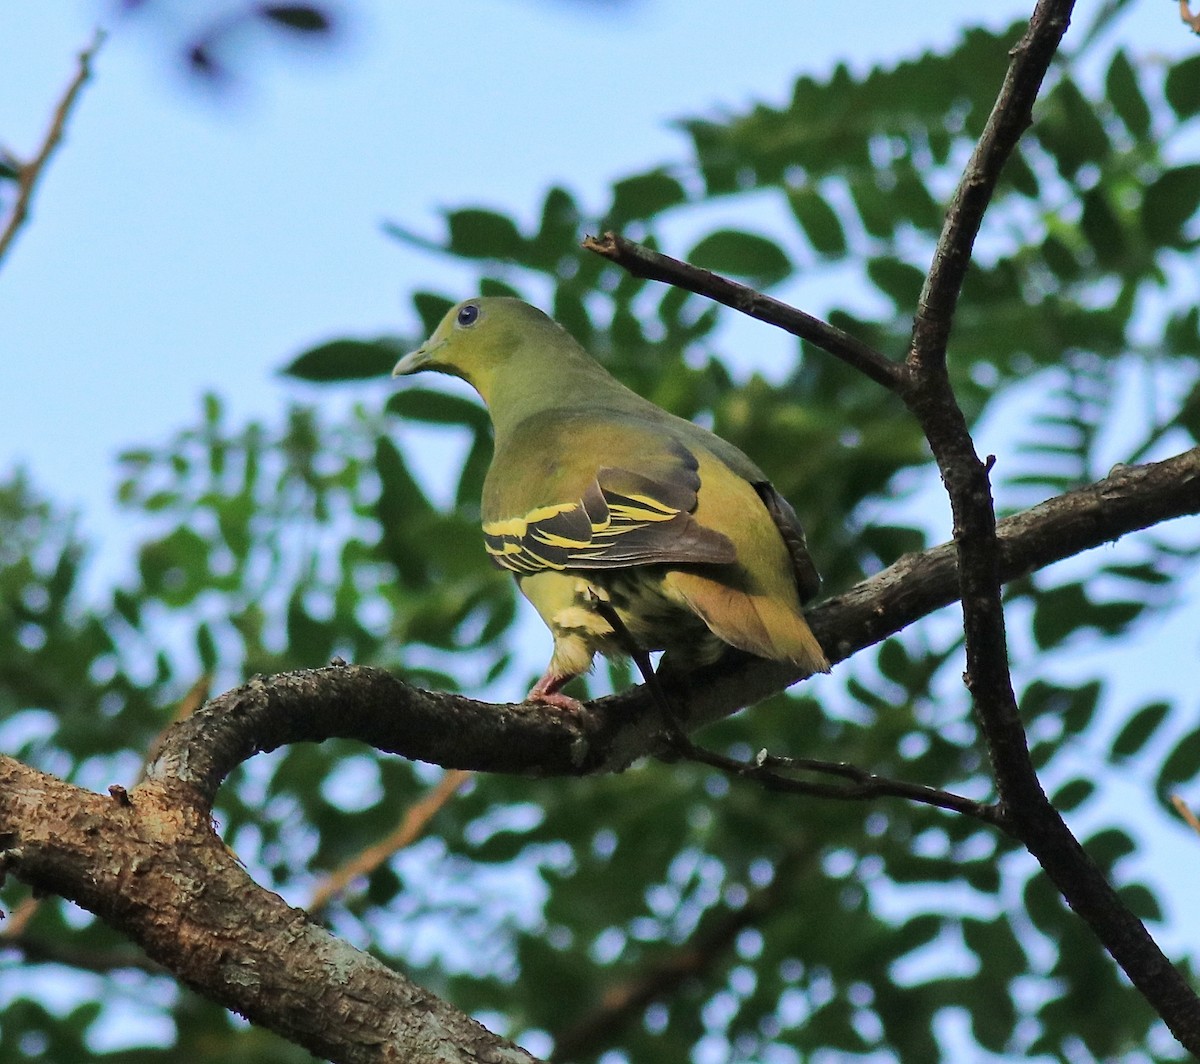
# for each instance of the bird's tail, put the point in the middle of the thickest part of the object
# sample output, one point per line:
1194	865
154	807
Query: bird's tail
756	623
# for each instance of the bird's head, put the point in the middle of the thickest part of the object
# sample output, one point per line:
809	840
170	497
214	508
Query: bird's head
477	339
519	360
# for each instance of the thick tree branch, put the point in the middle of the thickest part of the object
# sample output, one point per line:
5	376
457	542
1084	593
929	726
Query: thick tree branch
642	261
151	866
30	173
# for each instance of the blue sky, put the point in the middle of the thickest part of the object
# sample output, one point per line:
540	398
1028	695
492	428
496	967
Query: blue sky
185	241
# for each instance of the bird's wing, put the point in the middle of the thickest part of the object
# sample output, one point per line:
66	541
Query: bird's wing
621	518
808	580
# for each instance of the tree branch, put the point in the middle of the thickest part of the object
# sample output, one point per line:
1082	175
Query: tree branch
925	388
29	173
1191	21
456	732
642	261
767	770
930	397
151	866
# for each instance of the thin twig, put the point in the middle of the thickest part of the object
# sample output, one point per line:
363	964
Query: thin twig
416	820
17	921
1185	811
1185	13
29	173
924	385
642	261
863	785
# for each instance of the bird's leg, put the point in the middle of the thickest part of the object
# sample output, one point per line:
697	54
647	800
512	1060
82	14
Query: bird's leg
546	691
642	660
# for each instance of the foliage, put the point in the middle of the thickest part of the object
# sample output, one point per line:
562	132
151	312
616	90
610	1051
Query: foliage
773	927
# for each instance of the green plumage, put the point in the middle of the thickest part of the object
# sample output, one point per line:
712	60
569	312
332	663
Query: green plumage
594	491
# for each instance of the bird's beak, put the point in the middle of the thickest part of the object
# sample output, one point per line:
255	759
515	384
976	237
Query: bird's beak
417	360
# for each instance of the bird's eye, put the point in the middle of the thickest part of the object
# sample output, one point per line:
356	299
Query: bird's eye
468	315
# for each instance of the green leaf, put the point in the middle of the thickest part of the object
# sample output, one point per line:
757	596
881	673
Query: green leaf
481	234
1061	258
1183	87
1018	173
128	606
432	309
1072	794
493	286
403	512
560	217
642	197
206	647
1138	729
571	312
818	220
1140	900
912	199
1103	230
1070	130
301	18
899	281
874	207
1169	203
1043	904
175	568
309	639
1060	612
1125	95
1075	705
1182	763
761	261
1109	846
346	360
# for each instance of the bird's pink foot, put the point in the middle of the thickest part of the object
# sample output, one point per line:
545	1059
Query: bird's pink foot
546	691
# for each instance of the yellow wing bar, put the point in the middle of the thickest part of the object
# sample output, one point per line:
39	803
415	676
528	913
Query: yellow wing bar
608	527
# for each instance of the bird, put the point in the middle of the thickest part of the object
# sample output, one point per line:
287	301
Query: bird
621	523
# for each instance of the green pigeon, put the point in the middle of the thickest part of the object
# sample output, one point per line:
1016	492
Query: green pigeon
598	501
